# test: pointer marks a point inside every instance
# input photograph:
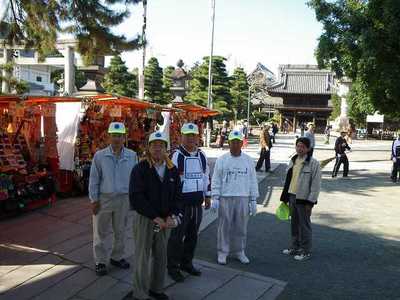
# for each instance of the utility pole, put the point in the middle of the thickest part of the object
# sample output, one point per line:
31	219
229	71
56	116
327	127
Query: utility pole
209	98
141	73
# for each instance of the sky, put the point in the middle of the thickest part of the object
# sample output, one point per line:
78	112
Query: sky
271	32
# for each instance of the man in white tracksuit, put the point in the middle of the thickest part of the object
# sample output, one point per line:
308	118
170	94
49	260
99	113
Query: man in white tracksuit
108	193
234	191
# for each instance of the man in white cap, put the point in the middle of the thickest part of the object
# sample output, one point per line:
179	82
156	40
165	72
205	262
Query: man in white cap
108	193
195	177
155	195
234	190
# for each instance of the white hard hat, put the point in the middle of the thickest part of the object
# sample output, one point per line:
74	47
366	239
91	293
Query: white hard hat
235	135
116	127
158	136
189	128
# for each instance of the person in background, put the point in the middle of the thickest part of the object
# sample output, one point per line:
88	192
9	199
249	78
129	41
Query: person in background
396	157
234	191
340	152
195	177
327	133
310	134
301	191
108	193
274	131
155	195
265	154
223	133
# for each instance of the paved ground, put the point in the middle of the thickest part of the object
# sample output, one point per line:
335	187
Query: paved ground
47	254
356	233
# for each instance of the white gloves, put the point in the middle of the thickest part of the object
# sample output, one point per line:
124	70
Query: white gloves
394	159
214	205
253	207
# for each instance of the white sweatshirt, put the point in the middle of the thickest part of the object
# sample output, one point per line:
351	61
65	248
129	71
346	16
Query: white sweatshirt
234	177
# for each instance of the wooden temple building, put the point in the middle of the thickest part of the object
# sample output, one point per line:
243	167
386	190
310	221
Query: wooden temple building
306	92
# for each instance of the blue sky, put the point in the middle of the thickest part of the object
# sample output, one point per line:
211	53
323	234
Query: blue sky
272	32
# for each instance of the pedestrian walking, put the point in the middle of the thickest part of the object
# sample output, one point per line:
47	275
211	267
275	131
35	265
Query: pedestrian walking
302	129
155	195
340	153
274	132
234	190
327	133
266	145
310	134
108	193
195	176
301	191
223	134
396	157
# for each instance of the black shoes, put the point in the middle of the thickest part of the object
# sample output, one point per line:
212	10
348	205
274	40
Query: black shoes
122	264
101	269
158	296
191	270
176	275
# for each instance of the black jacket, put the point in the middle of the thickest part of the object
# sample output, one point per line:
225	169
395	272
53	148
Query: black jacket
341	145
150	196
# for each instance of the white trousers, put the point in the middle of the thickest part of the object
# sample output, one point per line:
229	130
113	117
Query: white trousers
112	214
233	216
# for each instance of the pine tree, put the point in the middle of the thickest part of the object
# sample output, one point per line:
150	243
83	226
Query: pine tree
220	85
153	81
36	24
239	93
118	80
167	84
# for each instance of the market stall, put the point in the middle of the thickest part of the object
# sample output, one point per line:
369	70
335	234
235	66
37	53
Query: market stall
189	113
28	156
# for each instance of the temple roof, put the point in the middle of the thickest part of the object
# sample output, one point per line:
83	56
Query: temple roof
303	79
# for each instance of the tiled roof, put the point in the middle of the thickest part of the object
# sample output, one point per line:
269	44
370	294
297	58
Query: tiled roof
304	79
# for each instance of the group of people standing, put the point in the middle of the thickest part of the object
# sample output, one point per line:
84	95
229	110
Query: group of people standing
167	194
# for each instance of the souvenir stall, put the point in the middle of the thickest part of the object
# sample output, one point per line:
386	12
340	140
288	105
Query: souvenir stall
189	113
28	156
140	118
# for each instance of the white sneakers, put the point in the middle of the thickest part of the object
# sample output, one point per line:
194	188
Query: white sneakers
239	256
243	258
221	259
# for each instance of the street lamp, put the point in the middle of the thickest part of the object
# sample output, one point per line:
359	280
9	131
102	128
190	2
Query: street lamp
209	97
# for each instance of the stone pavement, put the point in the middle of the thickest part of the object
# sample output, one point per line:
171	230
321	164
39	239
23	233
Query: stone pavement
356	233
47	254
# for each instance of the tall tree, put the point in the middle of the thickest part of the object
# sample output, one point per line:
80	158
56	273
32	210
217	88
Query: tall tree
360	39
118	80
239	92
220	85
36	25
167	84
153	81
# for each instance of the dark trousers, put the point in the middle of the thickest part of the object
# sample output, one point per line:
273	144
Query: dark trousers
311	152
273	138
183	240
300	224
265	155
396	169
342	158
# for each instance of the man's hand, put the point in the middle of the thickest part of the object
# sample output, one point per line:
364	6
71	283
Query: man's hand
160	223
394	159
215	205
207	202
95	207
253	207
171	222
